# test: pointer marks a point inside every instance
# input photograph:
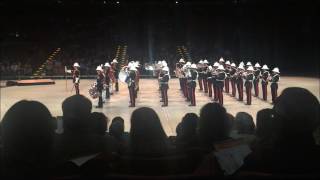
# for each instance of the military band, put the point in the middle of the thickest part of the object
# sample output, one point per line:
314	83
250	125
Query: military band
211	79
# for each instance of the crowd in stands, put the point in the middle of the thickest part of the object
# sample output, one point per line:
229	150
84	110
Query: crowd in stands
283	142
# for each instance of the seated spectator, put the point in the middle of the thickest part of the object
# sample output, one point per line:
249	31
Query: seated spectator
186	131
147	137
223	152
78	139
99	123
116	130
28	135
244	128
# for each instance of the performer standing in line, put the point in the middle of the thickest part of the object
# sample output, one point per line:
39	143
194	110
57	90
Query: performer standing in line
239	75
204	77
137	88
200	72
256	79
164	85
233	78
179	73
227	70
75	76
209	80
221	61
274	83
186	72
264	81
131	84
221	76
100	79
248	65
192	84
115	70
214	81
107	79
248	83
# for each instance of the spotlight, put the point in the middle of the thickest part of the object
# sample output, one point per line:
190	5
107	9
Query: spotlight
177	2
118	2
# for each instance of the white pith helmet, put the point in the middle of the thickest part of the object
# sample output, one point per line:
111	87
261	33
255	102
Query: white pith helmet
249	64
233	65
107	64
220	67
193	66
257	65
205	61
114	61
221	60
228	63
181	60
99	68
200	62
216	64
165	69
76	64
250	68
276	70
265	67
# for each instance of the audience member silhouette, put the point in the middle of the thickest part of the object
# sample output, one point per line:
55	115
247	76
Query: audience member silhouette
147	137
99	123
116	130
28	136
186	131
244	128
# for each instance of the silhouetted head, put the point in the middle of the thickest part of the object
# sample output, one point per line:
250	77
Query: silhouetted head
267	125
146	133
76	113
27	134
99	123
116	128
213	123
298	109
243	123
188	125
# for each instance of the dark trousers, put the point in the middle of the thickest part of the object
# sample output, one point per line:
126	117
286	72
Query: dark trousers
76	87
240	90
132	96
100	102
107	92
274	91
200	83
185	88
256	87
226	85
248	92
205	85
180	82
210	88
164	95
192	95
264	91
233	88
220	94
215	92
117	85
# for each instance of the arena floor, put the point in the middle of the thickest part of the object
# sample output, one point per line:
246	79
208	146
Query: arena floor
53	95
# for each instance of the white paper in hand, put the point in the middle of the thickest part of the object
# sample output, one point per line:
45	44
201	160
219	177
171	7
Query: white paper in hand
231	159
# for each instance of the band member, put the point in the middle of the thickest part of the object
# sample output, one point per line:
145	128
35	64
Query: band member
115	70
221	76
233	79
107	78
179	73
192	84
204	78
239	81
75	76
100	79
227	70
248	83
131	84
164	85
264	81
221	61
256	79
209	80
248	64
274	83
200	72
137	65
214	81
186	72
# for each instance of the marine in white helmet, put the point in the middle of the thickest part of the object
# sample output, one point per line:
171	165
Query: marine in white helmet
248	83
164	85
75	76
256	79
274	83
221	76
265	75
100	82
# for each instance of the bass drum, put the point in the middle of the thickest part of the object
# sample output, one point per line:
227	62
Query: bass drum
93	91
123	75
